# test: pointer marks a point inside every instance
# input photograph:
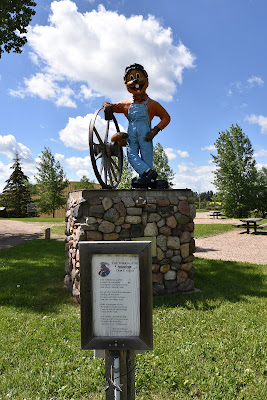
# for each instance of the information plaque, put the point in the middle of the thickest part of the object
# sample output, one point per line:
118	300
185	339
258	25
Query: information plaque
116	295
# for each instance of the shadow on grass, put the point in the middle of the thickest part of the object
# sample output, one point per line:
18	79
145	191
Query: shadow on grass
32	276
7	240
220	281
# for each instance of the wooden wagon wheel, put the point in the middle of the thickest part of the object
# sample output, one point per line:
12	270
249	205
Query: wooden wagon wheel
106	157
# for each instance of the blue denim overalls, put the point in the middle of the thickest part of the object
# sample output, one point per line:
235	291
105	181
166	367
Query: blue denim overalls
139	127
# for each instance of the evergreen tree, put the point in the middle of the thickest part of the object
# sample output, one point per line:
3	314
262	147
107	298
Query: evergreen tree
51	181
15	16
236	174
16	195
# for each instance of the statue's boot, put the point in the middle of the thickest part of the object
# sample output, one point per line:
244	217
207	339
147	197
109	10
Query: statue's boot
159	184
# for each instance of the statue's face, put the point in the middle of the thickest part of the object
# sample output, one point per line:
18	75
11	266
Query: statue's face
136	83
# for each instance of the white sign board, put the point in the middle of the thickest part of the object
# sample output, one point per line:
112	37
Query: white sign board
116	295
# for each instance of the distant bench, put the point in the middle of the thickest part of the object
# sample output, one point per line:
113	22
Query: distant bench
216	214
239	225
262	226
31	209
250	223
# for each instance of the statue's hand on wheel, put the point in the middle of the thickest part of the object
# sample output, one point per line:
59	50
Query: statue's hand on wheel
108	110
152	133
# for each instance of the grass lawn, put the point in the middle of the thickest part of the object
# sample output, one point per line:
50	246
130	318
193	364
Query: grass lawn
208	345
203	230
34	219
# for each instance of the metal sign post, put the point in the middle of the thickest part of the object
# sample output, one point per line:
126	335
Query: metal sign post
116	308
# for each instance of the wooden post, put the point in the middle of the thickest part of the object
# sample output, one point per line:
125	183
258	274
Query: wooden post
127	373
47	235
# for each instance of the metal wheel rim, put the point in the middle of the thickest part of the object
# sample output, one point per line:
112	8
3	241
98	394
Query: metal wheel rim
108	173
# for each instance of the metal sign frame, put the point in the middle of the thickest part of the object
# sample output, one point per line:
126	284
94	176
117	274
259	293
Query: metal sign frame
145	339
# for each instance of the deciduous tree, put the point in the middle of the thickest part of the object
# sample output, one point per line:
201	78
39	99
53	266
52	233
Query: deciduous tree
160	164
15	16
85	183
127	174
261	194
235	176
51	181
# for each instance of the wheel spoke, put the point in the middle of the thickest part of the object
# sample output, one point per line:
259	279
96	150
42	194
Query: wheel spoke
105	171
113	172
115	165
107	130
98	136
101	166
98	156
107	168
109	172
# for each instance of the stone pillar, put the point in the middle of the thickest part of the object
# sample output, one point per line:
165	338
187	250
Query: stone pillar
166	217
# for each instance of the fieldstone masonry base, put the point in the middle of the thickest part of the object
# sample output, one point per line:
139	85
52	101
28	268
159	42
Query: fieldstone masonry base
167	216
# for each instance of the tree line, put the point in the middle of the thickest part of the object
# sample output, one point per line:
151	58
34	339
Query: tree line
51	182
241	187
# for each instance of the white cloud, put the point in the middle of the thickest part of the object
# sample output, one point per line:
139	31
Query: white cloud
240	87
255	81
183	154
4	174
94	48
79	162
210	148
258	120
59	157
171	154
75	134
45	86
34	58
260	166
86	93
261	153
82	172
196	178
9	146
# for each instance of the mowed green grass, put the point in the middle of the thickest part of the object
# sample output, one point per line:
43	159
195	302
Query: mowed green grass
35	219
204	230
207	345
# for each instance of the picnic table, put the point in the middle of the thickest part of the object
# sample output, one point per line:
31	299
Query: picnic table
215	214
251	223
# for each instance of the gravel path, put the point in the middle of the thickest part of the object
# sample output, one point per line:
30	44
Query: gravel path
234	246
229	246
204	218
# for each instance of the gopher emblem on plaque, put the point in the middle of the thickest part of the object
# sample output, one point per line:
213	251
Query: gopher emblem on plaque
104	270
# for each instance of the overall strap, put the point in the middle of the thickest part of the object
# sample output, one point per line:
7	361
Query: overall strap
146	101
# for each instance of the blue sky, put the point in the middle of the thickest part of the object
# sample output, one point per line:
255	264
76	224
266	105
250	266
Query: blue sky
207	65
